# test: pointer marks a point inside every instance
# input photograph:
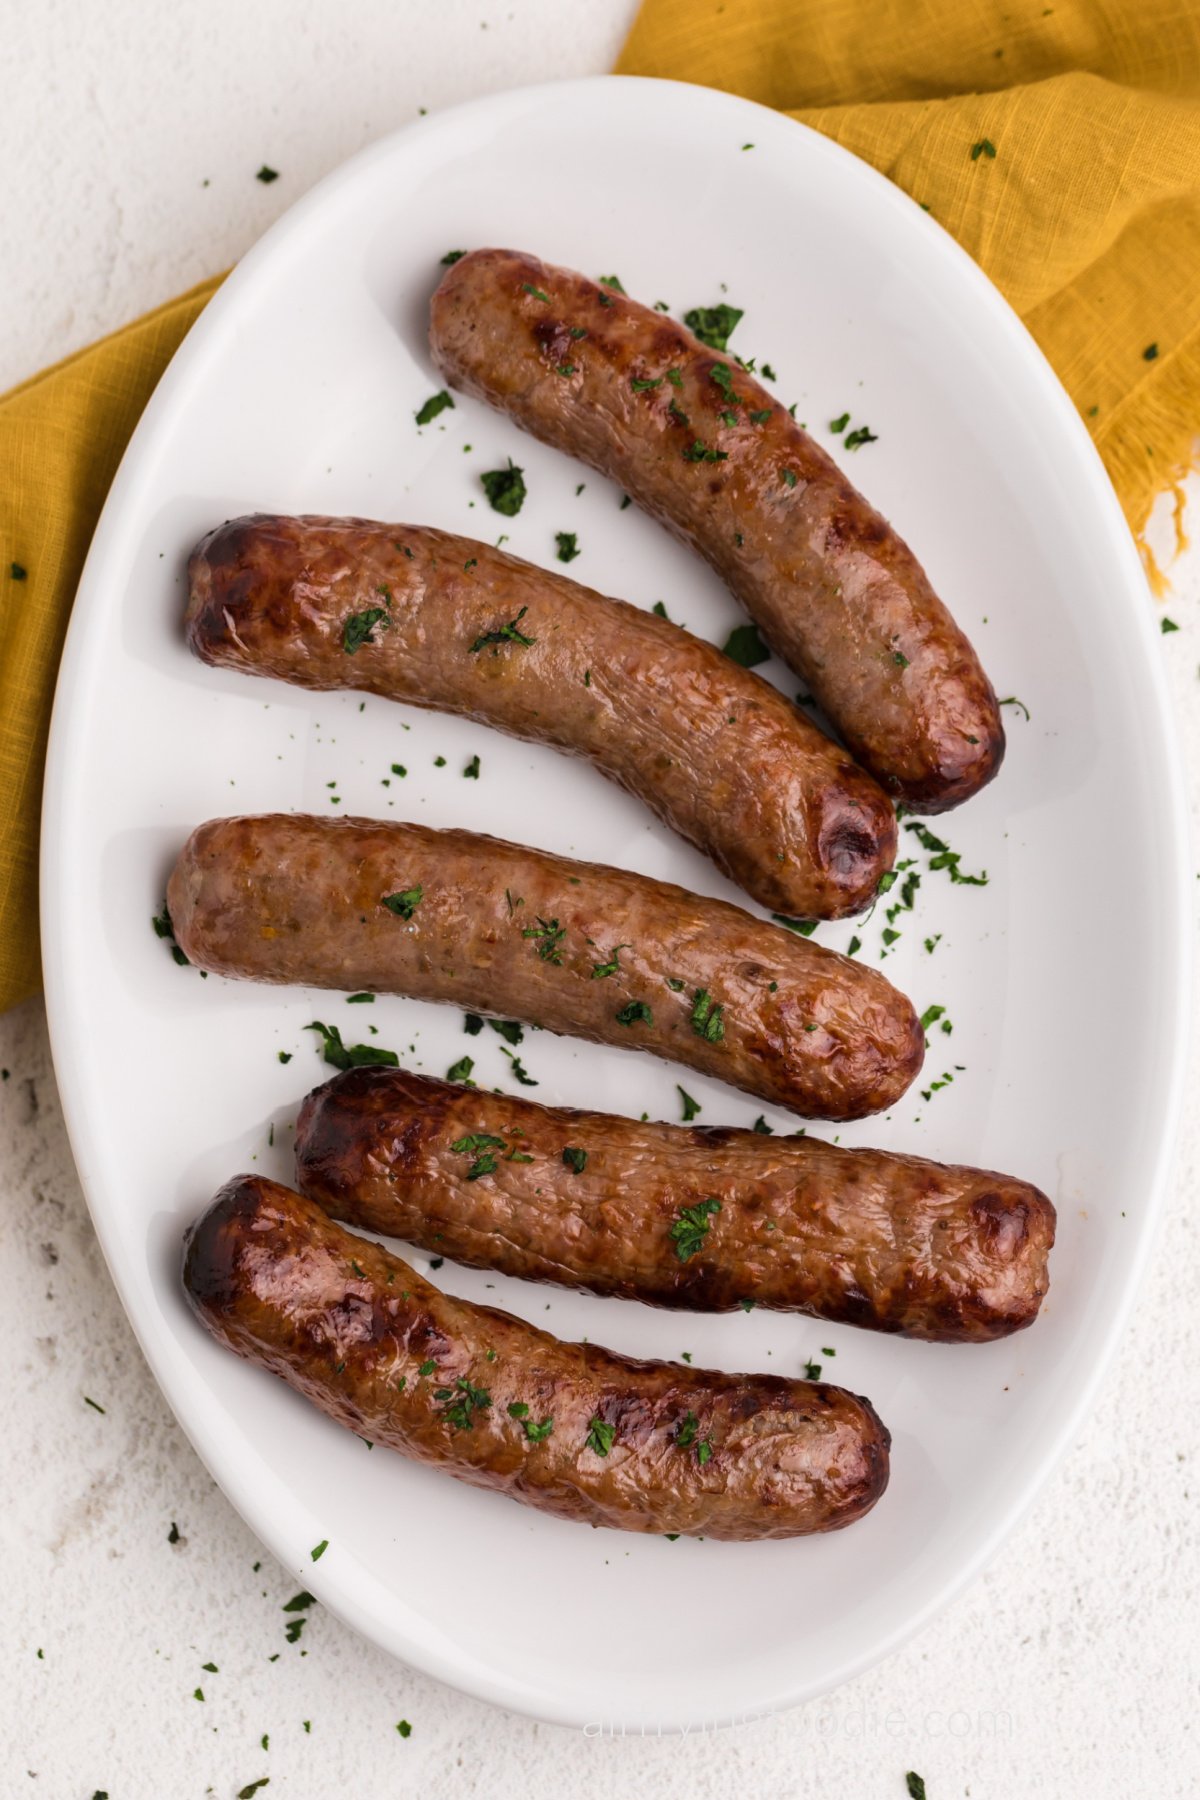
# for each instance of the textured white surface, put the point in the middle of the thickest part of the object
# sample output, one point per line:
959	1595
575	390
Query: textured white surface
1068	1670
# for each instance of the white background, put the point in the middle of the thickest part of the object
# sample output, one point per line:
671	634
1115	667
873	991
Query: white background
1068	1670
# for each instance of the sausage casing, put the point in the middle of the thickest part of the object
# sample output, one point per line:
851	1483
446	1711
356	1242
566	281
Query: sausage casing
418	615
574	947
587	1200
701	445
571	1429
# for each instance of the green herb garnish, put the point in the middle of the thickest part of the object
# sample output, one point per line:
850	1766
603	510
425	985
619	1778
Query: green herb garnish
634	1011
404	905
713	325
575	1159
699	452
433	406
600	1437
690	1230
358	628
503	634
351	1056
527	288
612	966
708	1020
548	935
744	646
505	489
461	1415
461	1071
568	545
690	1107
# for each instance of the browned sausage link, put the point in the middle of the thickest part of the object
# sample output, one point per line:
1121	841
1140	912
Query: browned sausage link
706	1219
568	1428
701	445
420	616
588	951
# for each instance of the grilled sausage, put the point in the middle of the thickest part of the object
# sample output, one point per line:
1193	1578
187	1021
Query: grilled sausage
593	952
895	1243
420	616
703	447
568	1428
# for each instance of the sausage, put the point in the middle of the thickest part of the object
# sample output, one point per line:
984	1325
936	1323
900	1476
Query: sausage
692	437
418	615
570	1429
700	1218
576	948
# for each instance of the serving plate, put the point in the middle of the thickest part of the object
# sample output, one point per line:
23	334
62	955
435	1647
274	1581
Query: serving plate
297	391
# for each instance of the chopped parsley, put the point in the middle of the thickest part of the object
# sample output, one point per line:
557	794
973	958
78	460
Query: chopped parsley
744	646
351	1056
480	1145
789	478
930	1016
690	1107
942	857
251	1788
1168	625
548	935
568	545
600	1437
461	1071
633	1012
503	634
984	147
404	905
713	325
708	1019
1150	352
521	1074
812	1371
612	966
360	999
915	1785
642	384
536	1433
452	256
404	1728
471	772
839	424
359	626
298	1603
613	282
460	1415
436	404
18	571
575	1159
267	174
763	1129
698	452
690	1230
723	376
861	435
511	1030
1013	701
528	288
319	1551
472	1024
660	611
505	489
805	927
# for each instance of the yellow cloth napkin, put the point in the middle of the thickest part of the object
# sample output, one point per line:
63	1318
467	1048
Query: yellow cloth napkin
1059	143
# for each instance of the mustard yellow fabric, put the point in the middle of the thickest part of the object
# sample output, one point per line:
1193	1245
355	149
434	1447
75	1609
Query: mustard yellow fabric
1059	143
61	437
